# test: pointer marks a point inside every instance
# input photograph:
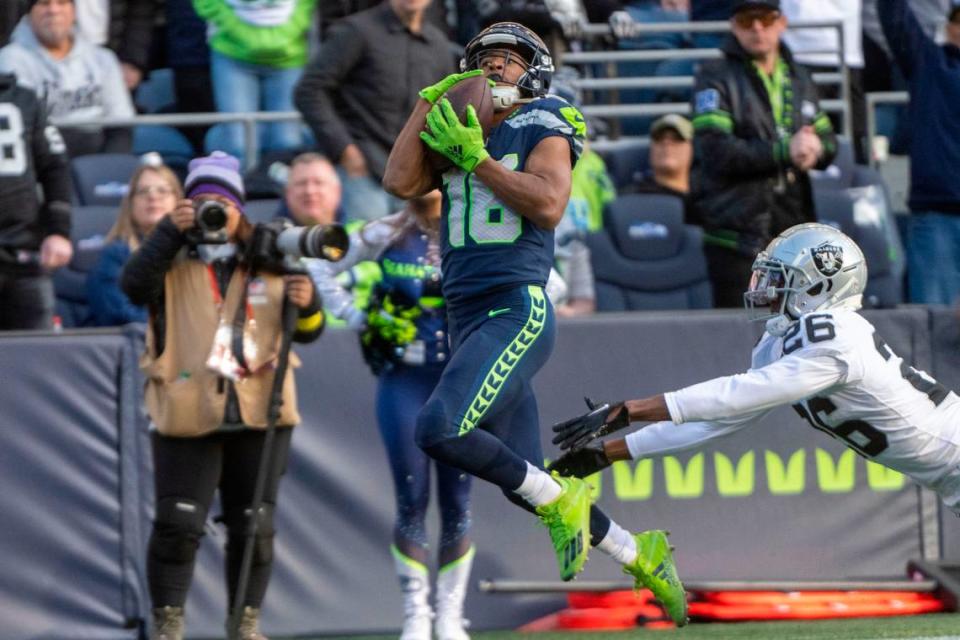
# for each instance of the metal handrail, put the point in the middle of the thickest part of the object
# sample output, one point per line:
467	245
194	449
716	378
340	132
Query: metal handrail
669	82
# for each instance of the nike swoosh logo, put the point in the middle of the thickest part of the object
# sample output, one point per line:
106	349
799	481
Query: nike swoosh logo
493	313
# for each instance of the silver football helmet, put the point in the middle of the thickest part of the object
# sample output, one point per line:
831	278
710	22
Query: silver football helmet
808	267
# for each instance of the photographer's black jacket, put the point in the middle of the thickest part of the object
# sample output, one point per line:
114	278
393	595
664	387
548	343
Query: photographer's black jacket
142	278
35	154
745	190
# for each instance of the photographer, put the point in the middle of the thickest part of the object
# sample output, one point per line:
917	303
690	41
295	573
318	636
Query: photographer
208	393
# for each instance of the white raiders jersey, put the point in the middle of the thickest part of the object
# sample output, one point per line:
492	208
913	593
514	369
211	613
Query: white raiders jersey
843	379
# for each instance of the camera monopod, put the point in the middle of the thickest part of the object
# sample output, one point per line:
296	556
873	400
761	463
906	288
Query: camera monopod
290	313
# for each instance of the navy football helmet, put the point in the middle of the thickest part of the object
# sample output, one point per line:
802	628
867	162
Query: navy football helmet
514	39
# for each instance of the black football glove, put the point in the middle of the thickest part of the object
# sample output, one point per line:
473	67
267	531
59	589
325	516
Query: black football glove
577	432
581	462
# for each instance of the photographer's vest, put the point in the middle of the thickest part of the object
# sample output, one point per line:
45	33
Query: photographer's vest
183	397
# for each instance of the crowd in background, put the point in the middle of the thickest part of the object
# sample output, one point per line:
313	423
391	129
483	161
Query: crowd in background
352	68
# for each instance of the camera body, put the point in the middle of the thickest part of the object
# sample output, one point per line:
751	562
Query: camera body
278	245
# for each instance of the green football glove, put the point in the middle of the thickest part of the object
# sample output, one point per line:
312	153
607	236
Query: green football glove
433	93
462	144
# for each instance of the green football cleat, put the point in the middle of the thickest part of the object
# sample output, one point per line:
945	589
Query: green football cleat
568	519
655	570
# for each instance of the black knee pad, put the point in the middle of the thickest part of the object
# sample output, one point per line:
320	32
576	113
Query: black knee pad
177	529
237	520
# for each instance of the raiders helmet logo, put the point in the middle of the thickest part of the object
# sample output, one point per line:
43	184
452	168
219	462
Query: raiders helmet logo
828	258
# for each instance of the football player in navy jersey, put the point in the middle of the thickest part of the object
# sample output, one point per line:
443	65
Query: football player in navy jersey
502	198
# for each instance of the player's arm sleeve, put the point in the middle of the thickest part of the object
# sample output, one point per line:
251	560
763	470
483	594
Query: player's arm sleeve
365	244
905	37
786	381
721	150
664	438
53	174
565	121
314	93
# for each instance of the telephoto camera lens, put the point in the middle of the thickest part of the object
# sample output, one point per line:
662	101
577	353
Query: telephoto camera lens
211	216
327	241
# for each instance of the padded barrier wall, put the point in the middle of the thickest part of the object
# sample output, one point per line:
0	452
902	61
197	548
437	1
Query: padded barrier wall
779	500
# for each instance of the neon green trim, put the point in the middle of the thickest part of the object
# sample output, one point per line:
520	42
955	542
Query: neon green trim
467	557
431	302
822	123
714	120
507	361
575	118
407	560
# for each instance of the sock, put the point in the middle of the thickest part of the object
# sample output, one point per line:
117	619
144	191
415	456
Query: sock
538	488
619	544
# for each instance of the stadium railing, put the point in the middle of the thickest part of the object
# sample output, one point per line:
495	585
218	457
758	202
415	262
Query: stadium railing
586	58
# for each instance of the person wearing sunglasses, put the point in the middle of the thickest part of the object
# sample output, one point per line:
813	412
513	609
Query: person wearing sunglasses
933	75
758	131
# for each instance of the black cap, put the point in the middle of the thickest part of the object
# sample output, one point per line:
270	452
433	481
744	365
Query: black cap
743	5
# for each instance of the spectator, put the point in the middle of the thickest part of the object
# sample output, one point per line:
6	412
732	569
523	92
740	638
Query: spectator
356	93
34	233
189	57
313	192
126	27
258	51
758	131
75	79
671	157
808	47
154	192
933	74
207	439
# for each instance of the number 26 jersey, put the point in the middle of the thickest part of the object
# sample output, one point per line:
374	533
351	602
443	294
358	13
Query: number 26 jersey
487	246
842	378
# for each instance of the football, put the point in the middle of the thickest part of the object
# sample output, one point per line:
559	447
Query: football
475	91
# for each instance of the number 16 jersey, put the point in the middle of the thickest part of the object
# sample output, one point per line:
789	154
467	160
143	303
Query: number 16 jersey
487	246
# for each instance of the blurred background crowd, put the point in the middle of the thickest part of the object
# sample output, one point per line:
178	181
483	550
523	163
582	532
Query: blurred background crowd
707	137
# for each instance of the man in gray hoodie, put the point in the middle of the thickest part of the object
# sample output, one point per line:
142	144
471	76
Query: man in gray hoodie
75	79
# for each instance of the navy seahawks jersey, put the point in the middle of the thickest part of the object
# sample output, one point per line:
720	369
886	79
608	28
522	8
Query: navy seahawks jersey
486	245
408	275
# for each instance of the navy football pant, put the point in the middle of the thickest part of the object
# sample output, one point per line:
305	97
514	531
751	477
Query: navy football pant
401	393
482	417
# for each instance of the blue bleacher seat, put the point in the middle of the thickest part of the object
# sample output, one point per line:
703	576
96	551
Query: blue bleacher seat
102	178
91	222
156	93
625	159
172	145
853	198
646	258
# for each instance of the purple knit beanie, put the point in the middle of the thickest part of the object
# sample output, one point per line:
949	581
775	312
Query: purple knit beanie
217	173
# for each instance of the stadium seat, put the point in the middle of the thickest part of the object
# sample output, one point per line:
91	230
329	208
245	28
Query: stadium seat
102	178
156	93
854	199
91	222
70	284
625	159
172	145
262	210
646	258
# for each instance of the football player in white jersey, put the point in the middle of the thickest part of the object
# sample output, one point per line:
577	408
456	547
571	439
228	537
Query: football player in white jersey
818	355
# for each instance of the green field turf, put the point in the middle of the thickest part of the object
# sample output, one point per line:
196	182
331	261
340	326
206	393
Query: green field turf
928	627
